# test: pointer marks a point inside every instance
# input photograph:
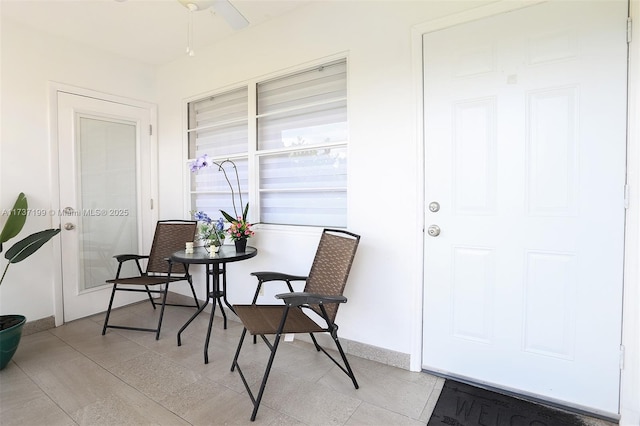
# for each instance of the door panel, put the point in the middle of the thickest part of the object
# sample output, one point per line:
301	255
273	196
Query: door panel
107	202
525	153
104	162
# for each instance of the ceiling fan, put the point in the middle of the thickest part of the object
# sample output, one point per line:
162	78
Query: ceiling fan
224	8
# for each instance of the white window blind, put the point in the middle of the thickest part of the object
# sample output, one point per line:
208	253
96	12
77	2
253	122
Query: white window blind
218	127
302	138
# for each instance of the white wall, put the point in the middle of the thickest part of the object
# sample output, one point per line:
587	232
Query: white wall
383	150
383	182
29	61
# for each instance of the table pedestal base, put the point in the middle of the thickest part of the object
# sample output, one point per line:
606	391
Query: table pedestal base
215	296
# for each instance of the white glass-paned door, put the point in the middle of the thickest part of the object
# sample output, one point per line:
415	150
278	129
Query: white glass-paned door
107	170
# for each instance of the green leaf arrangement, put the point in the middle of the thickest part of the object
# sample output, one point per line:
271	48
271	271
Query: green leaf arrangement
27	246
230	218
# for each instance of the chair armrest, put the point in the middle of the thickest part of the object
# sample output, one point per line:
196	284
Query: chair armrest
303	298
124	257
277	276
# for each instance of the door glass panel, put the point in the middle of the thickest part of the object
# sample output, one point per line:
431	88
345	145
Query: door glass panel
106	164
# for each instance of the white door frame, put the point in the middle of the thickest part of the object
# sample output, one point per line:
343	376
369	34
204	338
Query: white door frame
54	88
630	374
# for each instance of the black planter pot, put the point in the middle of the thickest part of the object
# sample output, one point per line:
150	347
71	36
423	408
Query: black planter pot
241	245
10	334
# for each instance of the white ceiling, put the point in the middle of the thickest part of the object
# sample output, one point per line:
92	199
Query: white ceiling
151	31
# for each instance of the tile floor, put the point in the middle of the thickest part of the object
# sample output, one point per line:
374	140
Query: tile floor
72	375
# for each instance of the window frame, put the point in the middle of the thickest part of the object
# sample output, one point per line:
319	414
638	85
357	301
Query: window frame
253	154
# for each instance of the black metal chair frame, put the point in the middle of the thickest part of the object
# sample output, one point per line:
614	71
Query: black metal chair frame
291	318
145	280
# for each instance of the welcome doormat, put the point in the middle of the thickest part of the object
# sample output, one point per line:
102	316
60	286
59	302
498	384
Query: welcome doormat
460	404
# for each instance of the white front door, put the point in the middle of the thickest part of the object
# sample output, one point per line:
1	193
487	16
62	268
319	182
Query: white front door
525	141
105	159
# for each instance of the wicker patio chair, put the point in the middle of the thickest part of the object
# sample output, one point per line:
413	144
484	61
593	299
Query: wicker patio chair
321	297
170	236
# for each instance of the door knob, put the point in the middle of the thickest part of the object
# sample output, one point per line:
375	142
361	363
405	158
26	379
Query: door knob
69	226
433	230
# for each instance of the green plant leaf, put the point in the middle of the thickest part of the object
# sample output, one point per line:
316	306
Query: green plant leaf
16	220
245	212
228	217
29	245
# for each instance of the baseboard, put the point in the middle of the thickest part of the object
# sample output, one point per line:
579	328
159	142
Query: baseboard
32	327
363	350
378	354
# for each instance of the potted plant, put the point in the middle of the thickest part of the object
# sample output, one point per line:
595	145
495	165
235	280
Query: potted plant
239	229
11	325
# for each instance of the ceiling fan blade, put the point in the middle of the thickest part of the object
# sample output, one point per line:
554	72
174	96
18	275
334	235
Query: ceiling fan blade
230	14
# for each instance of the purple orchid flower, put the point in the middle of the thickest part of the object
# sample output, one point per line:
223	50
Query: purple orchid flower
200	162
202	217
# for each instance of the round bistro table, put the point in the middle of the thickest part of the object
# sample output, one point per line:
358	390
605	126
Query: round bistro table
215	266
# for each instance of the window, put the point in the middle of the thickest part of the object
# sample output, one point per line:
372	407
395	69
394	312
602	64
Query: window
218	127
297	149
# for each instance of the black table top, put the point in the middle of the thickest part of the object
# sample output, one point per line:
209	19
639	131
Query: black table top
226	254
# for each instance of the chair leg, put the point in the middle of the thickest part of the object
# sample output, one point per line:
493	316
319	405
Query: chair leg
315	342
150	297
235	358
106	319
234	364
274	348
349	371
164	303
